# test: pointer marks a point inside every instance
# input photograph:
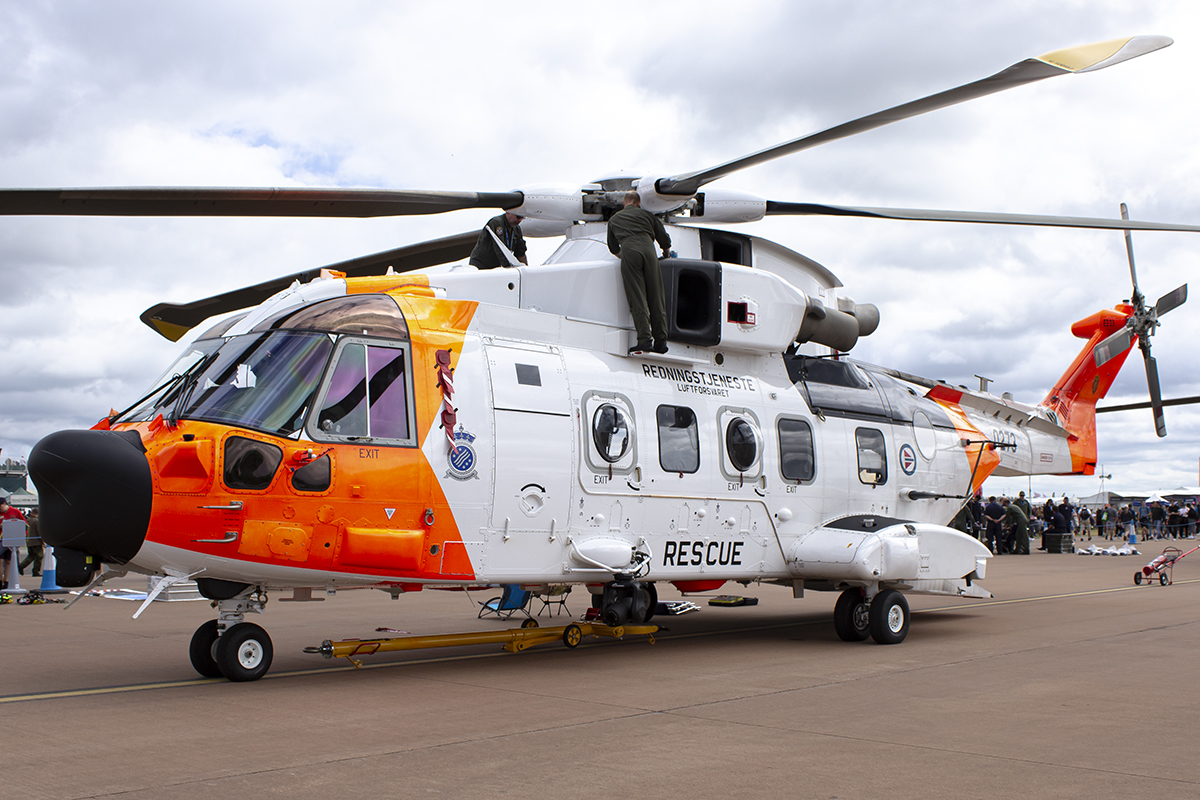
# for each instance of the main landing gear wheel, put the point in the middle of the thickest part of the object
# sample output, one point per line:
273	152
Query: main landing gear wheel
889	617
851	616
203	650
572	636
244	653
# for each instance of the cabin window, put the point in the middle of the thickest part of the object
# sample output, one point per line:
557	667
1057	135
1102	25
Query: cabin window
797	456
610	433
741	443
872	456
609	437
250	464
678	439
315	476
367	395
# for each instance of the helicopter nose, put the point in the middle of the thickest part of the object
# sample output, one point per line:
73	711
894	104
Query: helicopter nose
94	492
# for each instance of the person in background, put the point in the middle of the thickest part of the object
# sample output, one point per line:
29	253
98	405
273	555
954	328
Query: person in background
34	552
1126	519
993	514
7	512
1024	505
1018	525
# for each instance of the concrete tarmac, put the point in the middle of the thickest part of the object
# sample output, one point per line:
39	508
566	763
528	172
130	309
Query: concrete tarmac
1070	683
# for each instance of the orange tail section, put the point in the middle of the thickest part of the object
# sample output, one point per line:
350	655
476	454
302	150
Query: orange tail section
1074	395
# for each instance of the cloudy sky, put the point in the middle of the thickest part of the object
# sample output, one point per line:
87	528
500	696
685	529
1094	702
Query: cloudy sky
490	96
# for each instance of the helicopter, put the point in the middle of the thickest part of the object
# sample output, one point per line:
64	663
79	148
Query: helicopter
401	422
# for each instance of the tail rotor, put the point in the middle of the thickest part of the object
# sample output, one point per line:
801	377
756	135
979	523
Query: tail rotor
1141	325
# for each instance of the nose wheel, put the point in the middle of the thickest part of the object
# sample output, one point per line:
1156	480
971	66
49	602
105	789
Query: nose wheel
203	650
229	647
243	653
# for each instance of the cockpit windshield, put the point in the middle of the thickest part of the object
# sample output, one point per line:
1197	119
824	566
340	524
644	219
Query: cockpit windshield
263	381
168	386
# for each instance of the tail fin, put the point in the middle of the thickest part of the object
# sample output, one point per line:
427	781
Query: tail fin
1073	398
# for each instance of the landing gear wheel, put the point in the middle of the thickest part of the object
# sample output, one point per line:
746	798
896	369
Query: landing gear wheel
203	650
529	623
889	617
572	636
1137	578
652	603
852	616
1162	578
244	653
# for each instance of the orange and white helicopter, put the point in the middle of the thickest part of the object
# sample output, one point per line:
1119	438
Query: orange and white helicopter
395	423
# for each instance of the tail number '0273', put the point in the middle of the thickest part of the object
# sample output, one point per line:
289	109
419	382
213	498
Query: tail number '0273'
1004	438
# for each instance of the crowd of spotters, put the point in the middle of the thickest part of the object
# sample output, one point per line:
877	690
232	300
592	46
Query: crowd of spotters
1005	524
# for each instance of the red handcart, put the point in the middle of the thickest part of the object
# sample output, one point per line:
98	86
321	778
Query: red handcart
1164	566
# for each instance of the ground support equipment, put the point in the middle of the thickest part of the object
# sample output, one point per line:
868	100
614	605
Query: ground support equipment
1163	566
514	640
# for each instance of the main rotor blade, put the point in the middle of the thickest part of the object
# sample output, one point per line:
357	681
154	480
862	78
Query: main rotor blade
1171	300
1112	347
173	320
981	217
1085	58
222	202
1160	422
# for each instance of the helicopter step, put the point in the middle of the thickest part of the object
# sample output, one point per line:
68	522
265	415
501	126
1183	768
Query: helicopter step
514	640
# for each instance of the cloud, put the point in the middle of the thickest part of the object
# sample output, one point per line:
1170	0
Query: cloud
474	96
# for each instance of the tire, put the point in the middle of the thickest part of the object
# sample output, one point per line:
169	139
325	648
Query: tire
851	616
244	653
529	623
1162	579
652	604
1137	578
889	617
572	636
203	650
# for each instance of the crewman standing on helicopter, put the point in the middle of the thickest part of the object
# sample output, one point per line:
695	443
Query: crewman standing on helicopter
632	232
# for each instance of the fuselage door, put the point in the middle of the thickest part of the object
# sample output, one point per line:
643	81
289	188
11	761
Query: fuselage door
533	445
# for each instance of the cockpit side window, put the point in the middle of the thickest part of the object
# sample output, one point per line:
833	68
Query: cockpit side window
368	395
872	456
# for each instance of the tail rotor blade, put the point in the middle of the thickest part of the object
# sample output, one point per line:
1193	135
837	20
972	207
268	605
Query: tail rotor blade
1113	346
1129	249
1160	422
1171	300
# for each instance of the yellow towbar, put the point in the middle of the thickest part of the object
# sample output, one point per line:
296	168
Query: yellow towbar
514	640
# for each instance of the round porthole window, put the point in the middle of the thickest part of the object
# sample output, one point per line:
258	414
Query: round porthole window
610	432
741	443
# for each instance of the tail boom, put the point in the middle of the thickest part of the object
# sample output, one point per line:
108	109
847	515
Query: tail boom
1074	396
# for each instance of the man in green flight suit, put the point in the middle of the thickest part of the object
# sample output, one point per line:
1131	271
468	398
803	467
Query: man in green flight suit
1016	521
632	232
507	227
